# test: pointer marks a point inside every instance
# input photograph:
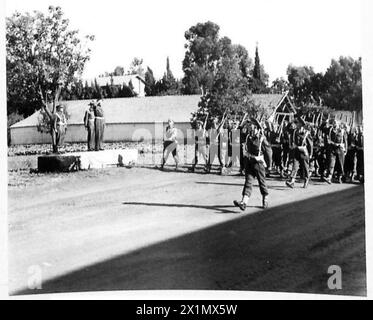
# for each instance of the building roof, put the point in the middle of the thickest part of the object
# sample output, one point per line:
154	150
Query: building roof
146	109
117	80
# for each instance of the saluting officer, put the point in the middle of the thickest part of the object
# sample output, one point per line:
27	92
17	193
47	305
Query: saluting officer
256	143
303	149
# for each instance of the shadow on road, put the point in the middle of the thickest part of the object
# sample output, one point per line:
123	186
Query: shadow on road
175	205
287	248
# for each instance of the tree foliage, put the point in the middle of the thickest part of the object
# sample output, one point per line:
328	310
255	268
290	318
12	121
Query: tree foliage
339	88
43	57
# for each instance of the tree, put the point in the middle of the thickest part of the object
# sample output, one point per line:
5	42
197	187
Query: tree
118	71
280	85
245	62
300	80
150	83
259	78
343	84
136	67
230	92
43	57
201	57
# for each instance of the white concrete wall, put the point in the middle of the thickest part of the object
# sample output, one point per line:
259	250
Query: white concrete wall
113	133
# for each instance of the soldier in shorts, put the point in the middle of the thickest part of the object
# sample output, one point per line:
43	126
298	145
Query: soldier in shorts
170	144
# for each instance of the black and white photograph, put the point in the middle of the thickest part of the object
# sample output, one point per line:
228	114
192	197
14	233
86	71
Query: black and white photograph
185	146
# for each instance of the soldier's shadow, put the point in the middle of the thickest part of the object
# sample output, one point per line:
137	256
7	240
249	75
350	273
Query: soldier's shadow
220	209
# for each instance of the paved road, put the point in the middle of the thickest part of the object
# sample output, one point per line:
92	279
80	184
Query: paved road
145	229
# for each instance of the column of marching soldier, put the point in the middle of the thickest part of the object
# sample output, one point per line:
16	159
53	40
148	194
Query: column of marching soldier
329	150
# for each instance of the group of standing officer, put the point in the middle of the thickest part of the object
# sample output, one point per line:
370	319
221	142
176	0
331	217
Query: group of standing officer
94	122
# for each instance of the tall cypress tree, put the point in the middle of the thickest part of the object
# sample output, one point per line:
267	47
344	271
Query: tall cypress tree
256	72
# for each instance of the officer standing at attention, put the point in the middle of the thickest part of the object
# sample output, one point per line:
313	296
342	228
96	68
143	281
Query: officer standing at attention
99	125
303	149
89	123
256	143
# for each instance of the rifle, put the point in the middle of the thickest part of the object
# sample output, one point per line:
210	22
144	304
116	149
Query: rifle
242	121
205	123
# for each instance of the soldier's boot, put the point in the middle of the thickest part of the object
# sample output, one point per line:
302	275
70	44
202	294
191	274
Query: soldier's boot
291	183
306	183
265	202
240	205
328	179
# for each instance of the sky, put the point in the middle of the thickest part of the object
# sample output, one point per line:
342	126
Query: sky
298	32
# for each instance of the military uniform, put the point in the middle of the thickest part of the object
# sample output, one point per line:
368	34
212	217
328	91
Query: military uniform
214	146
59	130
99	127
200	147
89	123
336	149
319	157
170	145
255	164
350	159
303	149
360	155
243	136
275	141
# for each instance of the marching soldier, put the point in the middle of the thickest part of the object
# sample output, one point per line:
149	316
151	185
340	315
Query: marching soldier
256	143
170	144
337	148
275	141
243	135
303	149
349	167
268	153
233	151
289	146
360	154
59	128
200	144
89	123
214	142
319	159
99	125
